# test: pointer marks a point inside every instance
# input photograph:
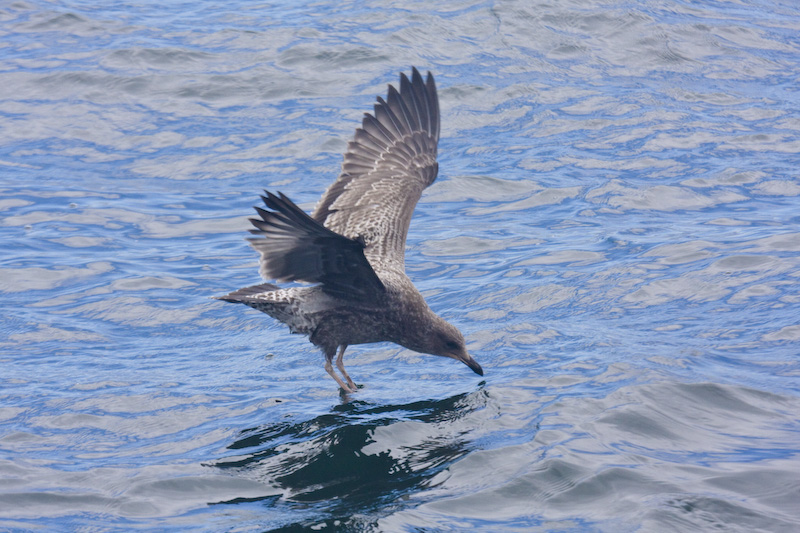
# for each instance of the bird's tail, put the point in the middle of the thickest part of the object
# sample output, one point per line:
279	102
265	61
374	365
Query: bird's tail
245	295
275	302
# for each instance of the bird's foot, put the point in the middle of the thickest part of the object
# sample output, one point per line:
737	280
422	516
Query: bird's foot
349	390
348	386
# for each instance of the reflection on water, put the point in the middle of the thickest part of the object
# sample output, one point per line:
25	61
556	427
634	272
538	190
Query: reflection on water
358	456
614	229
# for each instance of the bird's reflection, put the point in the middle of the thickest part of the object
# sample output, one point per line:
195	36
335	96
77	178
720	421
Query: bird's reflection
359	456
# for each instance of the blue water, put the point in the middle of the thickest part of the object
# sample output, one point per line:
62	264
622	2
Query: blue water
615	229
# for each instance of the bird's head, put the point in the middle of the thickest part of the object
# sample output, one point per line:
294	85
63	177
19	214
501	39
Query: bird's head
445	340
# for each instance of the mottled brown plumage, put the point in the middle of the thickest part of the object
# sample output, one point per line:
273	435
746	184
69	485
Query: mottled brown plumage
352	246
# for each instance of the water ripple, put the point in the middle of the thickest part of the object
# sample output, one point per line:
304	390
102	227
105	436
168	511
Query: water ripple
614	229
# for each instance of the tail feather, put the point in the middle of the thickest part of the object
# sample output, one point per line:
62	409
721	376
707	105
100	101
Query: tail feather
243	295
278	305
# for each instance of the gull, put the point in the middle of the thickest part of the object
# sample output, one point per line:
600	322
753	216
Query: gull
352	246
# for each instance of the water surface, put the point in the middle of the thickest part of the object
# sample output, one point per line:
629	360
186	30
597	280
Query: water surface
615	229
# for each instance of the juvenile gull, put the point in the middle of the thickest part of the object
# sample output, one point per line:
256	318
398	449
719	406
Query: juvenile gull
352	245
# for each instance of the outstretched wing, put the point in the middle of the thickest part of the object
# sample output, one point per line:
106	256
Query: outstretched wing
388	164
295	247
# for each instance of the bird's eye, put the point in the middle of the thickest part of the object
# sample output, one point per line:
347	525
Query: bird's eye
452	345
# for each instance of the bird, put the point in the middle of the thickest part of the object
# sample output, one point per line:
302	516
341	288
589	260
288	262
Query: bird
350	251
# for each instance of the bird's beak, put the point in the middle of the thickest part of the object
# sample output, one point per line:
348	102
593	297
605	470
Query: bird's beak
470	362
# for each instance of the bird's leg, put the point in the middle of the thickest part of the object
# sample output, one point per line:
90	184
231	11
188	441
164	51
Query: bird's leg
340	366
329	370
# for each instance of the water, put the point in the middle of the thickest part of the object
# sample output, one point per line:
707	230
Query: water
615	229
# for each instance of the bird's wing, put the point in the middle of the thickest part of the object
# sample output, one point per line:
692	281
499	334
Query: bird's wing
295	247
389	162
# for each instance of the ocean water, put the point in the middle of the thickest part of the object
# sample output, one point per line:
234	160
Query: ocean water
615	229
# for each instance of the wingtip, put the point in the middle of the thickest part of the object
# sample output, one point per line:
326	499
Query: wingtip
269	198
417	75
